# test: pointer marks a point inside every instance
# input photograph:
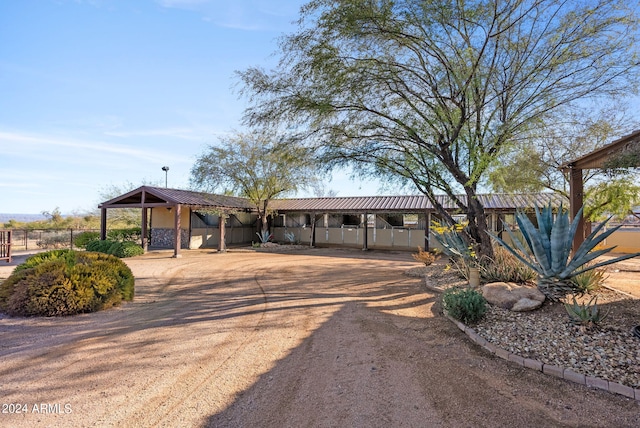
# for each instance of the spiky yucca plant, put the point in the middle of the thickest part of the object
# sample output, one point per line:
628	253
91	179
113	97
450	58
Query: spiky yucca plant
547	249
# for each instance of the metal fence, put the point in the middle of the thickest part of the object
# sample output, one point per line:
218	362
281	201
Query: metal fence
5	245
45	239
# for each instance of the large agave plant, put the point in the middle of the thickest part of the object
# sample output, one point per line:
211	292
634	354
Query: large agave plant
547	249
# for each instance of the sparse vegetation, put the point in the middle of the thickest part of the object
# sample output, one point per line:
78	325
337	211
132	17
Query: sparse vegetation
426	257
505	267
587	315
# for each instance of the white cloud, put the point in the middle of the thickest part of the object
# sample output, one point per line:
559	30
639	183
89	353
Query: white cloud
248	15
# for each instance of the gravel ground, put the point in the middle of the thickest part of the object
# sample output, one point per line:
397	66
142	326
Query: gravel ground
610	351
315	338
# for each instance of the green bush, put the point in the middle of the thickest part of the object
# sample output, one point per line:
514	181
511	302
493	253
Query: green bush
83	238
464	304
66	282
130	234
125	249
100	246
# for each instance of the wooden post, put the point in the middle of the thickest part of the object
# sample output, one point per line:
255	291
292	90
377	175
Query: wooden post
145	241
103	224
312	242
427	229
177	235
576	192
365	238
222	246
143	226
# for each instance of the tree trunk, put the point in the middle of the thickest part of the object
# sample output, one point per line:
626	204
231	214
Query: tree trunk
478	228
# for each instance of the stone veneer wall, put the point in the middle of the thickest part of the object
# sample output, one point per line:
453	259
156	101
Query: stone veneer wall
163	238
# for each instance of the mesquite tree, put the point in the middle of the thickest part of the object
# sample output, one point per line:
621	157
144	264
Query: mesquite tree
429	92
258	166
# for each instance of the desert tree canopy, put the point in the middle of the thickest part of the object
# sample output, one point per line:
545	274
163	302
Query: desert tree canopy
429	92
259	166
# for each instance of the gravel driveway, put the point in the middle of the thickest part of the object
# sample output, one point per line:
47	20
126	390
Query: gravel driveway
315	338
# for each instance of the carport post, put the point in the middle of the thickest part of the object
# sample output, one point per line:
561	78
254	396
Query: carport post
576	192
103	224
222	246
177	234
365	238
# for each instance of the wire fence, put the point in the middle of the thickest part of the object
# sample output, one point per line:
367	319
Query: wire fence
45	239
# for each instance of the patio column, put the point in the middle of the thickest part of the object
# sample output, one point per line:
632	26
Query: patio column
103	224
576	195
365	238
427	229
143	226
222	246
312	242
145	241
176	233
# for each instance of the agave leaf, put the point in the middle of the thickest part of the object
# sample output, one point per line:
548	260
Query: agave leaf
538	243
575	264
607	262
591	241
533	265
517	242
558	242
545	220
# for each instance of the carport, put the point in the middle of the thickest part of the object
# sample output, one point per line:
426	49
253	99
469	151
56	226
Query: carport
174	200
627	148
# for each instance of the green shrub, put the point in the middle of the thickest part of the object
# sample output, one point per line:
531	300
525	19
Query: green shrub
39	258
100	246
66	282
130	234
125	249
83	238
464	304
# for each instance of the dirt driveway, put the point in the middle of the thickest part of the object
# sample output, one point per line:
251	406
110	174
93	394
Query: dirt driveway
317	338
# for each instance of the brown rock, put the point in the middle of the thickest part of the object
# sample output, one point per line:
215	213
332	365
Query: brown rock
513	296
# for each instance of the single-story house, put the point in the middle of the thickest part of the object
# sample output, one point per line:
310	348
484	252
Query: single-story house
183	219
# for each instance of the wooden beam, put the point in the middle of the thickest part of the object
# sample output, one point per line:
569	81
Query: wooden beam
143	226
365	238
427	230
103	223
222	246
177	234
312	242
576	199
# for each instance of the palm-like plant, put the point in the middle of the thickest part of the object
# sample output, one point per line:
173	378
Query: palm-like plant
547	249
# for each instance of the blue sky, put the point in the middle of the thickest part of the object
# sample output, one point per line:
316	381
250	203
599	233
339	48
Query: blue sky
99	93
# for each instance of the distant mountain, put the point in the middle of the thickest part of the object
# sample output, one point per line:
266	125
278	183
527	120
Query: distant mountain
21	217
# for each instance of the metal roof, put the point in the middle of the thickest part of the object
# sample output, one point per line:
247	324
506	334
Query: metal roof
159	196
412	203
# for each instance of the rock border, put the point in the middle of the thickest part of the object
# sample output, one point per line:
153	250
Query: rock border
556	371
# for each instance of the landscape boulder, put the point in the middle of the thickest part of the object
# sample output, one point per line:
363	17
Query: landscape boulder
508	295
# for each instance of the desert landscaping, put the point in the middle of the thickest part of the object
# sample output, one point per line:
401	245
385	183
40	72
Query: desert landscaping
318	338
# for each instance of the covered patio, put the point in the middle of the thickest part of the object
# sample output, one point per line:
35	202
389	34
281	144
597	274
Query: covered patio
175	201
626	148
